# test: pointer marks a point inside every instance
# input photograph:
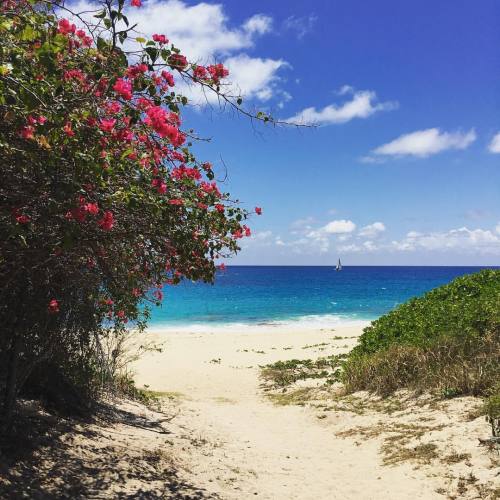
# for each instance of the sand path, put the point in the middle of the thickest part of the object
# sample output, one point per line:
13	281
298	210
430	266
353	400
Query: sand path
242	445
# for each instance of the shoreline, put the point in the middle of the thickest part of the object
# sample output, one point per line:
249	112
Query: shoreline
303	323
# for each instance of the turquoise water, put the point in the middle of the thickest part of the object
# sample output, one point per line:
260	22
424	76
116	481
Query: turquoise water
270	294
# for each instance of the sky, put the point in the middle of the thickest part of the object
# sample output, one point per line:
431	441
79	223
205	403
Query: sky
402	166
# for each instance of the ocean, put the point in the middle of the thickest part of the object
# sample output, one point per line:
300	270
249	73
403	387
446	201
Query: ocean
312	295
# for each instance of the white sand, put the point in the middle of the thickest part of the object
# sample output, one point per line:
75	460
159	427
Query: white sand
236	443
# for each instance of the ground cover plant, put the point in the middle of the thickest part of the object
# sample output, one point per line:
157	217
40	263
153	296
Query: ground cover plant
447	340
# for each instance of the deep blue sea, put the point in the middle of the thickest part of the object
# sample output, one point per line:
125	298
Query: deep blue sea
283	294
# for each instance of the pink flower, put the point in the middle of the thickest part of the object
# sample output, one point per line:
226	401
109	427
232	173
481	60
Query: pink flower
74	74
160	38
113	107
176	201
91	208
219	208
65	27
42	119
158	295
258	210
27	132
136	3
177	61
165	124
21	218
222	266
53	306
68	130
200	72
107	125
135	71
160	186
168	77
217	72
123	88
107	222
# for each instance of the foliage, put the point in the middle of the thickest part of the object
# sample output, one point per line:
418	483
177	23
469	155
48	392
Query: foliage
468	307
447	340
102	202
285	373
450	366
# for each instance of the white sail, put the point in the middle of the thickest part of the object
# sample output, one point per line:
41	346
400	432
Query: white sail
339	266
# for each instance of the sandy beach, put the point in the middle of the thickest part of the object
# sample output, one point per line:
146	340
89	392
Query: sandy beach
236	442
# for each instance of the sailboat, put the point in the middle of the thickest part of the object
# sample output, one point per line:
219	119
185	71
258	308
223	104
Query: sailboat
339	266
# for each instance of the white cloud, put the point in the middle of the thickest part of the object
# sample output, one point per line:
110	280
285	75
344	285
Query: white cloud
300	25
497	228
201	30
262	235
362	105
259	23
203	33
253	76
370	246
463	239
494	146
341	226
346	89
372	230
423	143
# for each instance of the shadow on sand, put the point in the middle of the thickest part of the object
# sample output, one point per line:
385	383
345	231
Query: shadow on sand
45	456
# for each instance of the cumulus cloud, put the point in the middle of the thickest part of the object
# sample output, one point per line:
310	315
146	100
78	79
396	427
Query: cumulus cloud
494	146
205	35
462	239
310	238
372	230
362	104
259	23
424	143
340	226
255	77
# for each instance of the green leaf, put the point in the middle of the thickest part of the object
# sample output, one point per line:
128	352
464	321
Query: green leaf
28	34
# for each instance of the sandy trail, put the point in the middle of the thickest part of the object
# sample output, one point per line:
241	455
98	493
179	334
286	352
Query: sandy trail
243	445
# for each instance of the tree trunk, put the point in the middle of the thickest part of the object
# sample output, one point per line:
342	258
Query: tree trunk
11	383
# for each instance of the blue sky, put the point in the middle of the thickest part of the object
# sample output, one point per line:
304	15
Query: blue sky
404	167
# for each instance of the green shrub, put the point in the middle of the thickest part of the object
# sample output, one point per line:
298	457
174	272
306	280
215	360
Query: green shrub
448	339
468	306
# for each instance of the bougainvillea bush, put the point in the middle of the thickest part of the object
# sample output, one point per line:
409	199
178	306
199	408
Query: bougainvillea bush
102	202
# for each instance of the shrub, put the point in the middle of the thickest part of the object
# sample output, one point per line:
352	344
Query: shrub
102	202
448	339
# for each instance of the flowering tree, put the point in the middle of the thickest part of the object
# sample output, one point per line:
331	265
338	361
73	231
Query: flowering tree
102	202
